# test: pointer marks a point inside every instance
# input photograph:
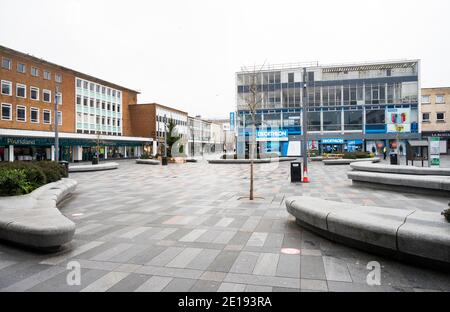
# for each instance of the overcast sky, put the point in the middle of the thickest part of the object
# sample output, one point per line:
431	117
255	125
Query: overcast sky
185	53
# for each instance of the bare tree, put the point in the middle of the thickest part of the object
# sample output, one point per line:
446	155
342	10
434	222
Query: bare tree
253	101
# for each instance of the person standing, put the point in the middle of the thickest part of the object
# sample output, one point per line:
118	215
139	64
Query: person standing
384	152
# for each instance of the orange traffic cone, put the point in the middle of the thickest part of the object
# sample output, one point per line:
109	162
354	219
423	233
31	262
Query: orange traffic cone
305	177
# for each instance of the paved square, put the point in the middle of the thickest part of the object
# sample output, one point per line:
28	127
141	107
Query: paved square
184	228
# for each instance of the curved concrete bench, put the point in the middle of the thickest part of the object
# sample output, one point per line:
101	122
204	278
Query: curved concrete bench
400	169
403	233
349	161
439	183
99	167
148	162
247	161
34	220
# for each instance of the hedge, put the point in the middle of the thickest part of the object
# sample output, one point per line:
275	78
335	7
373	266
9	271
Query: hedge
18	178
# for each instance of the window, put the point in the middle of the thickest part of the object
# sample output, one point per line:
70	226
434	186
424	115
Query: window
6	63
103	90
389	72
114	93
108	92
78	83
91	102
60	119
97	88
6	87
34	71
47	117
21	68
290	77
34	115
426	117
91	87
108	106
118	94
47	75
118	123
374	117
353	120
60	98
85	101
21	113
47	96
21	90
103	104
6	111
118	108
78	100
310	76
440	99
332	121
313	121
440	116
34	93
85	85
58	78
97	104
426	99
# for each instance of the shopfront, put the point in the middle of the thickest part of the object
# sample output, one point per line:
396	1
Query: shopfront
444	139
331	146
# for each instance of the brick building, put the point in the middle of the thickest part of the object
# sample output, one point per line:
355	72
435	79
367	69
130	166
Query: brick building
91	112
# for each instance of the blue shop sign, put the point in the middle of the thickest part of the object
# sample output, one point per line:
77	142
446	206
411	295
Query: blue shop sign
232	117
354	142
332	141
272	135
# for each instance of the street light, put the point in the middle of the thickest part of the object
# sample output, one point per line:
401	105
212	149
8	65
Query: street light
164	160
56	125
305	129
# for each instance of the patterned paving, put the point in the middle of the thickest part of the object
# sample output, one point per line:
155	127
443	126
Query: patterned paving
185	228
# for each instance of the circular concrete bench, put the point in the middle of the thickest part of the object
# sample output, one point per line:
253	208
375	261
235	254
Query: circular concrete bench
400	169
33	220
404	233
148	162
247	161
349	161
99	167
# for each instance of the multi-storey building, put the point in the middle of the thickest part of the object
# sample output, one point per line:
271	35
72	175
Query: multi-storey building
349	107
227	140
199	136
436	115
149	119
91	112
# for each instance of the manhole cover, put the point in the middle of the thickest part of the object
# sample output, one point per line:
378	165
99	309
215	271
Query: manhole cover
290	251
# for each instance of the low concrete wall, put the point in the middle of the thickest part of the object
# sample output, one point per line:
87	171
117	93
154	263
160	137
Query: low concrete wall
247	161
33	220
349	161
148	162
99	167
400	169
405	233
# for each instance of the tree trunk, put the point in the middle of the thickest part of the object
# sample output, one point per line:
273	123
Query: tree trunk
252	156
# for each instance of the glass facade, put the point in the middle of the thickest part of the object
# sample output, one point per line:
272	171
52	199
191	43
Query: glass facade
98	108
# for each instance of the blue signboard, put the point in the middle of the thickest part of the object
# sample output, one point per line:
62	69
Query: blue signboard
232	121
354	142
332	141
272	135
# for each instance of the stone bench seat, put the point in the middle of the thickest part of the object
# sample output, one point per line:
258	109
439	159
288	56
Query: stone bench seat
247	161
431	182
33	220
148	162
404	233
400	169
349	161
99	167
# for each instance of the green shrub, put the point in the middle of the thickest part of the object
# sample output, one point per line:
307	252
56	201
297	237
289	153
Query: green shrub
356	155
14	182
52	170
34	174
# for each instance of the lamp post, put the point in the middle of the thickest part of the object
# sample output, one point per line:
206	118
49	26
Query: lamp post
305	129
164	160
56	125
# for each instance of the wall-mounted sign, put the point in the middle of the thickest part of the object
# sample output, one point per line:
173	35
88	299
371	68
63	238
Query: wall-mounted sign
272	135
435	151
332	141
232	121
398	120
355	142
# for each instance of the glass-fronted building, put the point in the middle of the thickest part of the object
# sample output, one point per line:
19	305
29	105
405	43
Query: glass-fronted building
349	107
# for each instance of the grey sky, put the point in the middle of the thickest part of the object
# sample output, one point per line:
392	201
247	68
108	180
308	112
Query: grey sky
185	53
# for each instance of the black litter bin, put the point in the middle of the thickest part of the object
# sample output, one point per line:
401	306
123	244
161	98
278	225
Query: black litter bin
95	160
164	161
394	159
296	172
65	165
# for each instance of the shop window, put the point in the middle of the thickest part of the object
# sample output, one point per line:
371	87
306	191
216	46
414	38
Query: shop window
6	87
6	111
21	113
47	117
47	96
34	93
21	90
34	115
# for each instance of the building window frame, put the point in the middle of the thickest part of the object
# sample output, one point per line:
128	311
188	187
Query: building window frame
34	71
24	70
22	86
49	92
60	116
440	99
426	99
58	77
9	83
47	75
49	112
425	119
9	62
24	108
440	119
31	93
10	111
34	120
